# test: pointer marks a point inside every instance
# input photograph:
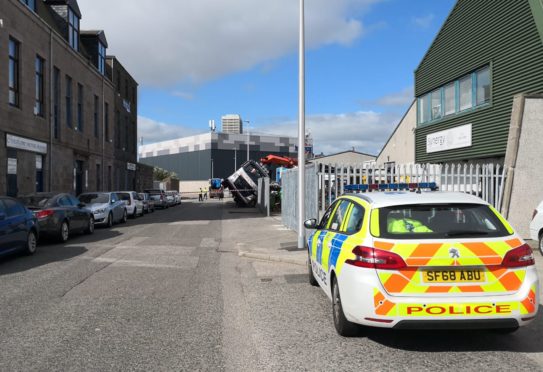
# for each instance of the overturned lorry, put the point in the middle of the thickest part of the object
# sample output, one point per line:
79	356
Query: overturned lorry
243	184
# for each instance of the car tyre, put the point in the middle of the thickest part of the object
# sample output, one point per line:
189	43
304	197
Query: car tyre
64	233
541	243
109	222
125	217
31	243
312	279
90	226
343	326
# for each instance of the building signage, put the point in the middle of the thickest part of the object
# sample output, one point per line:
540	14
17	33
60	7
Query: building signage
25	144
12	166
131	166
449	139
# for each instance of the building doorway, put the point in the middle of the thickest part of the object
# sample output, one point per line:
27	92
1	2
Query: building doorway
12	189
39	173
78	177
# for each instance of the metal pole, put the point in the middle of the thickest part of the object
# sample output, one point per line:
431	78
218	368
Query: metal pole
301	132
235	160
248	139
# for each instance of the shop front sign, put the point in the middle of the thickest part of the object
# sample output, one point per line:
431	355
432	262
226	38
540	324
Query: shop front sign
25	144
449	139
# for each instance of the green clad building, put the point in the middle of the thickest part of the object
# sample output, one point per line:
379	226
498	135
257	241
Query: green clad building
486	53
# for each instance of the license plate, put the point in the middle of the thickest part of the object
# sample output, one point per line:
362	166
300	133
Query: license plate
453	276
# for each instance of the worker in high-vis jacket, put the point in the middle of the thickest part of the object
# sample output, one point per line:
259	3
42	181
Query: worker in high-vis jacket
406	226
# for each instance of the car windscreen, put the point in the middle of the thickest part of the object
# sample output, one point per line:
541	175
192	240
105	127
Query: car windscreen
37	201
440	221
94	198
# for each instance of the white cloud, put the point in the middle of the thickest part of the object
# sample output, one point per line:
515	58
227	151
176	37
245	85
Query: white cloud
170	41
424	21
402	98
366	131
153	131
184	95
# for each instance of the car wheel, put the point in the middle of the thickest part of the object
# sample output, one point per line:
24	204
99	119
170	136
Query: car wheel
125	216
90	226
541	243
31	243
343	326
109	222
312	279
64	232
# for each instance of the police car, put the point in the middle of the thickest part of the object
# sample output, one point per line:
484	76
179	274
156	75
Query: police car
421	260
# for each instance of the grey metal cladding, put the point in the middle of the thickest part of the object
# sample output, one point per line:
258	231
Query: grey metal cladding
149	154
184	149
163	152
196	147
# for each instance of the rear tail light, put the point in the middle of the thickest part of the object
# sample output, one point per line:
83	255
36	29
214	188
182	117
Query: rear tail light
519	257
373	258
44	214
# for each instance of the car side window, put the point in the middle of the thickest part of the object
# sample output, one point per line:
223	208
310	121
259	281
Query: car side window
13	208
64	201
355	219
74	200
339	216
113	198
327	215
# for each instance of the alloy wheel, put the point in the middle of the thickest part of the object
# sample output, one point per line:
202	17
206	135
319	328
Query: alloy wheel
31	243
64	231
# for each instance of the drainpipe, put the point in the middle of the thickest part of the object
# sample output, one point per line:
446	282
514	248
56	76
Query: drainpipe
103	136
51	114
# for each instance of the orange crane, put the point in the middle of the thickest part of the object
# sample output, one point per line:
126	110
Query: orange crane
283	161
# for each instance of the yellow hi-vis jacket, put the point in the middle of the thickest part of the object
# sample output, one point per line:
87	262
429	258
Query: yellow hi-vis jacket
406	225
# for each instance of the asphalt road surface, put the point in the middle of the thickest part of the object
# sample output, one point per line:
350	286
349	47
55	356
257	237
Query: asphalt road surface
168	292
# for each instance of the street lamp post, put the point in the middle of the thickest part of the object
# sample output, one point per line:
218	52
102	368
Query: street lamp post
301	131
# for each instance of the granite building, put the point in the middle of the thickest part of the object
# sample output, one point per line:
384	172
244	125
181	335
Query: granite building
56	119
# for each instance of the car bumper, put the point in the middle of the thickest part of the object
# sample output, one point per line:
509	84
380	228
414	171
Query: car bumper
366	302
100	218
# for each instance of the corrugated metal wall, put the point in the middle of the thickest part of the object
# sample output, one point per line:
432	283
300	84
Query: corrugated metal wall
500	33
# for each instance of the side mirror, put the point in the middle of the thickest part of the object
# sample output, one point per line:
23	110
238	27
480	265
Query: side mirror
311	223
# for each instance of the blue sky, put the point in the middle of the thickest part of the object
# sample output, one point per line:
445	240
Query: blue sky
205	58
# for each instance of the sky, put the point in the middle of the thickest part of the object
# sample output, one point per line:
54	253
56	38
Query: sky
196	60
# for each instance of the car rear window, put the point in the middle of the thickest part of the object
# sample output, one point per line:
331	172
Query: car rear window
94	198
440	221
36	201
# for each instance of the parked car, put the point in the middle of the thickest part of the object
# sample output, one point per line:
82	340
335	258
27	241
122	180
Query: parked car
18	227
170	198
536	226
134	206
148	203
159	197
106	207
176	196
59	215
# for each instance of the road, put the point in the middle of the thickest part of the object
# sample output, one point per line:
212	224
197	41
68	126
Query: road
168	292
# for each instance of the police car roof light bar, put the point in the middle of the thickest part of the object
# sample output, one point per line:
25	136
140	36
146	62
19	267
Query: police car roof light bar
391	187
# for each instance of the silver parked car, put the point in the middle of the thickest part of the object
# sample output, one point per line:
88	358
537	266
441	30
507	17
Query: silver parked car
148	202
107	207
134	206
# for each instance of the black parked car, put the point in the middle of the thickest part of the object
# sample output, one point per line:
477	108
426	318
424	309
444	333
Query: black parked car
18	227
59	215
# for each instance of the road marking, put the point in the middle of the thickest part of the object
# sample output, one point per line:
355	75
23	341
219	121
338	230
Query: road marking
190	223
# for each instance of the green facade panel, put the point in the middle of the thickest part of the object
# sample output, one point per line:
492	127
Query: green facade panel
502	34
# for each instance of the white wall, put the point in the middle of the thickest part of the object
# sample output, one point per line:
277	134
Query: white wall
527	189
400	147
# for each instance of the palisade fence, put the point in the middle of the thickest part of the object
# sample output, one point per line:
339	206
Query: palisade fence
324	182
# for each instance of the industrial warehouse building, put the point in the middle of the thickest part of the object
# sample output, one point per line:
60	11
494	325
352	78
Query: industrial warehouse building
60	96
212	154
478	98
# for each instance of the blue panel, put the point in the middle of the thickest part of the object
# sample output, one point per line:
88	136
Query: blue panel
337	244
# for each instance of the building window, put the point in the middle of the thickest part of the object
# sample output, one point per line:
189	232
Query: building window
73	29
39	103
465	93
118	129
436	104
98	178
102	58
56	102
14	47
79	108
470	91
96	113
449	93
483	86
30	3
68	101
424	108
106	121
